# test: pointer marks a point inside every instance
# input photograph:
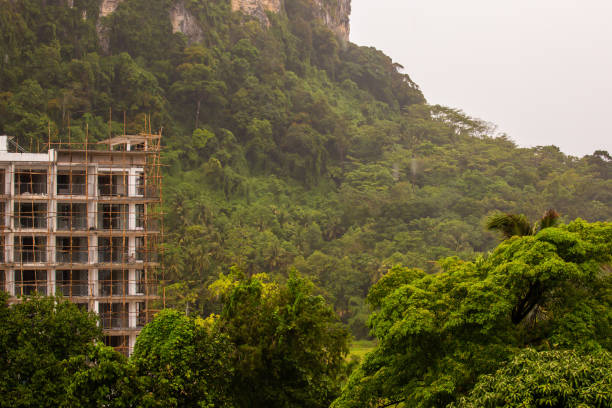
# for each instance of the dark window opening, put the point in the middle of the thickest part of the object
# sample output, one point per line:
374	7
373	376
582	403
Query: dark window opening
112	184
140	215
141	250
29	282
112	250
71	216
30	181
140	183
30	249
120	343
3	214
71	183
113	216
71	249
113	315
30	215
72	283
142	316
113	282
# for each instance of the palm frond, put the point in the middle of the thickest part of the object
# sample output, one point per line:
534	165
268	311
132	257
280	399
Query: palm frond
510	225
549	219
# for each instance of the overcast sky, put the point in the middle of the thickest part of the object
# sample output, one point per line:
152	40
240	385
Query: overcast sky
539	69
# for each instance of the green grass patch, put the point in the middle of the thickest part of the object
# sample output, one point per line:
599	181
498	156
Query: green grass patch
360	348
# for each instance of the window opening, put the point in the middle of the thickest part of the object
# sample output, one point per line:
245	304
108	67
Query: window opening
119	343
29	181
112	184
113	282
72	283
30	215
71	182
113	315
28	282
71	249
112	250
71	216
113	216
30	249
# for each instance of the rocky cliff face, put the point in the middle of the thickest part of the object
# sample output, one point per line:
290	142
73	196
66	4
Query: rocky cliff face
184	22
257	8
334	13
181	19
108	6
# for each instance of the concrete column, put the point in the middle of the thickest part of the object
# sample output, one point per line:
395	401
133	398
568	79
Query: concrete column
10	247
132	182
92	243
4	143
92	181
51	243
51	282
132	282
131	217
10	282
92	215
92	284
132	313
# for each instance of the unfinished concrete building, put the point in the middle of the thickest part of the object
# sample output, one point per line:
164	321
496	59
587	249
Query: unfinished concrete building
83	221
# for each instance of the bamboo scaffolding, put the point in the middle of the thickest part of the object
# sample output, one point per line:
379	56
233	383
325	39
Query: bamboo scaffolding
87	225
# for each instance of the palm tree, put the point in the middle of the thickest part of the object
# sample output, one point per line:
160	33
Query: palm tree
511	225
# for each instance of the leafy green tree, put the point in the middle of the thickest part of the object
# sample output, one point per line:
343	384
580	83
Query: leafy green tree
546	379
197	82
102	378
438	333
182	362
290	346
38	338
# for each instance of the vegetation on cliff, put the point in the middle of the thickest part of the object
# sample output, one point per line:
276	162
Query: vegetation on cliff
285	148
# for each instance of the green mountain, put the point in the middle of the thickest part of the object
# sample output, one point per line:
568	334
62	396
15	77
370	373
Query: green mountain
286	146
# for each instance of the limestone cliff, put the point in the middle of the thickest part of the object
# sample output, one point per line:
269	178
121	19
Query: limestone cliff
181	19
334	13
257	8
184	22
108	6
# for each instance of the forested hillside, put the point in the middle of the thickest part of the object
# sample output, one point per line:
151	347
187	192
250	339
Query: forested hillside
284	146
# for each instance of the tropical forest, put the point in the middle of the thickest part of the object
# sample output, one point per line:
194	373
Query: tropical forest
331	239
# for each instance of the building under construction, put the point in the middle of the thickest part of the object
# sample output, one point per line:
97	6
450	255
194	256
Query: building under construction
83	221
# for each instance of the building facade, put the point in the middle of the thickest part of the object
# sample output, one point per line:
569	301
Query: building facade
83	221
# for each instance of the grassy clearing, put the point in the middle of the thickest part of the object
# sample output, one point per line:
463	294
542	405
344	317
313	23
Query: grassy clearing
360	348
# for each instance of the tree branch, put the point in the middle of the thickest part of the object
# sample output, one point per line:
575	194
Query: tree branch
392	403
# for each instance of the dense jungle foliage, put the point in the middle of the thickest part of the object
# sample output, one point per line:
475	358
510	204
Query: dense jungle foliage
285	148
273	345
529	325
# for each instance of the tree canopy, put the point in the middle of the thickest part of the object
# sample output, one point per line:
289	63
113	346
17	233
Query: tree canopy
439	333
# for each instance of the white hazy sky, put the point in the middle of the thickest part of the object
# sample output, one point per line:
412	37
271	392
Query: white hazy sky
539	69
